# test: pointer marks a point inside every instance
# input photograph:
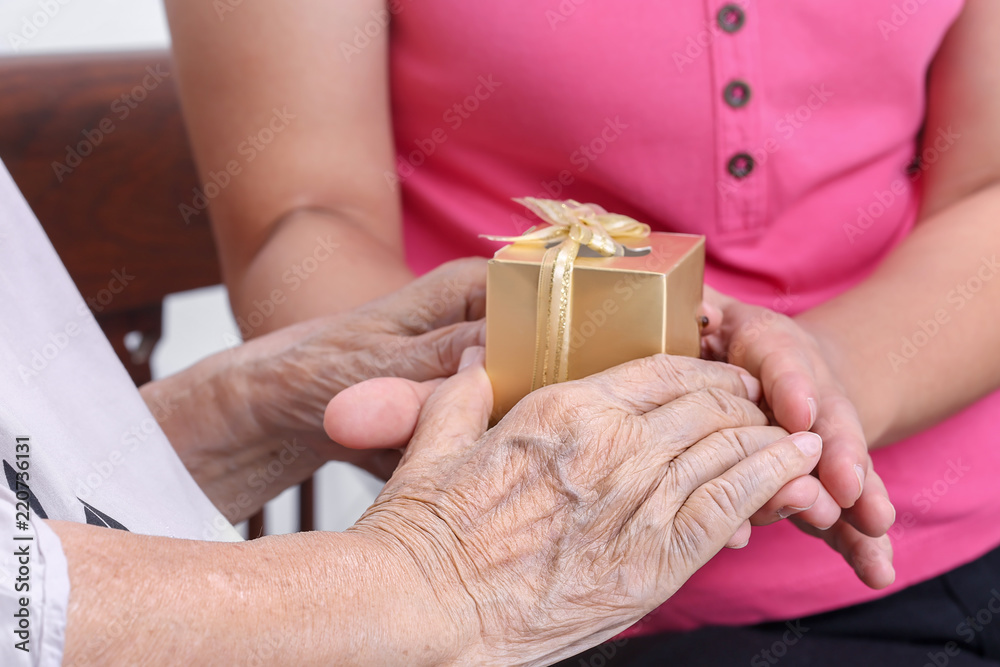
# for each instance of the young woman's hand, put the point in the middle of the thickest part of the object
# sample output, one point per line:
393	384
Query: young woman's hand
852	511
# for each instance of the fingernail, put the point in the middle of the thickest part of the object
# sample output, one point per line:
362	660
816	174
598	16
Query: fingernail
860	472
893	508
470	356
813	411
752	385
808	443
788	511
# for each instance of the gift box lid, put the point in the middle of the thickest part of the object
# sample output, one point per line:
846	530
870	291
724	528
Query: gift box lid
657	253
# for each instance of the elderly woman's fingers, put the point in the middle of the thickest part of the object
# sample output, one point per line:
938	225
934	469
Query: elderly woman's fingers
453	292
646	384
716	428
717	451
377	414
715	511
741	537
457	414
435	354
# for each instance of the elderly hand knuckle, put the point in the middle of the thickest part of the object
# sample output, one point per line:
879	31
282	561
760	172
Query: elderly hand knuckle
676	370
727	404
728	496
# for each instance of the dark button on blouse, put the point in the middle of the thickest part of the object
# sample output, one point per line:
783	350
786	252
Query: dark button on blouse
740	165
731	18
737	94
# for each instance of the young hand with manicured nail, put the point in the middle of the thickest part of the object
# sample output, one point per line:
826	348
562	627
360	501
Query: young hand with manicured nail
849	507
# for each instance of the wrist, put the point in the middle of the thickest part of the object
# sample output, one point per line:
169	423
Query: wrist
185	405
389	604
433	561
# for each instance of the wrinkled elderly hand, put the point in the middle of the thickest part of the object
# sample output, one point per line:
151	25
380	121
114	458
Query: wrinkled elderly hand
851	511
418	333
587	506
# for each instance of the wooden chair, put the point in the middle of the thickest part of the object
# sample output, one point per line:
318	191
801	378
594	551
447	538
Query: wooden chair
98	147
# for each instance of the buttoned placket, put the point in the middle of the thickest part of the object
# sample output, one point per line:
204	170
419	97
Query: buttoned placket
740	177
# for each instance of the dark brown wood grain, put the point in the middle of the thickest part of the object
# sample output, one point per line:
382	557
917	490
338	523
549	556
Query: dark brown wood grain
118	209
114	214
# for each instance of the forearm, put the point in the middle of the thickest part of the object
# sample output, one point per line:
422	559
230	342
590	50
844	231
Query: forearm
313	598
913	343
208	414
313	264
321	181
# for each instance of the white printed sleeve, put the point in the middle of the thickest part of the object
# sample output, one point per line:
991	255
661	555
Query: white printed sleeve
34	593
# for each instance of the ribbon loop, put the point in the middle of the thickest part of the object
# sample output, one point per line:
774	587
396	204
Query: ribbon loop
572	225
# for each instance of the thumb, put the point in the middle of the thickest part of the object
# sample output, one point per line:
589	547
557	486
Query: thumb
377	414
457	413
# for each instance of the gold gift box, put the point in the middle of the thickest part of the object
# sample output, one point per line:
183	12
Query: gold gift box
622	308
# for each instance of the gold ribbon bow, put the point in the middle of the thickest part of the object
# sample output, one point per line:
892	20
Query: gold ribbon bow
575	225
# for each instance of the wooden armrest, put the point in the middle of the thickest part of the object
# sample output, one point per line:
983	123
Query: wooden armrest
98	147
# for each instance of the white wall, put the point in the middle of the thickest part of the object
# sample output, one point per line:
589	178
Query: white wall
41	26
197	323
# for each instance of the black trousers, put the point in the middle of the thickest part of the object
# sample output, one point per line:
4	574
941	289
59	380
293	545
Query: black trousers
950	621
